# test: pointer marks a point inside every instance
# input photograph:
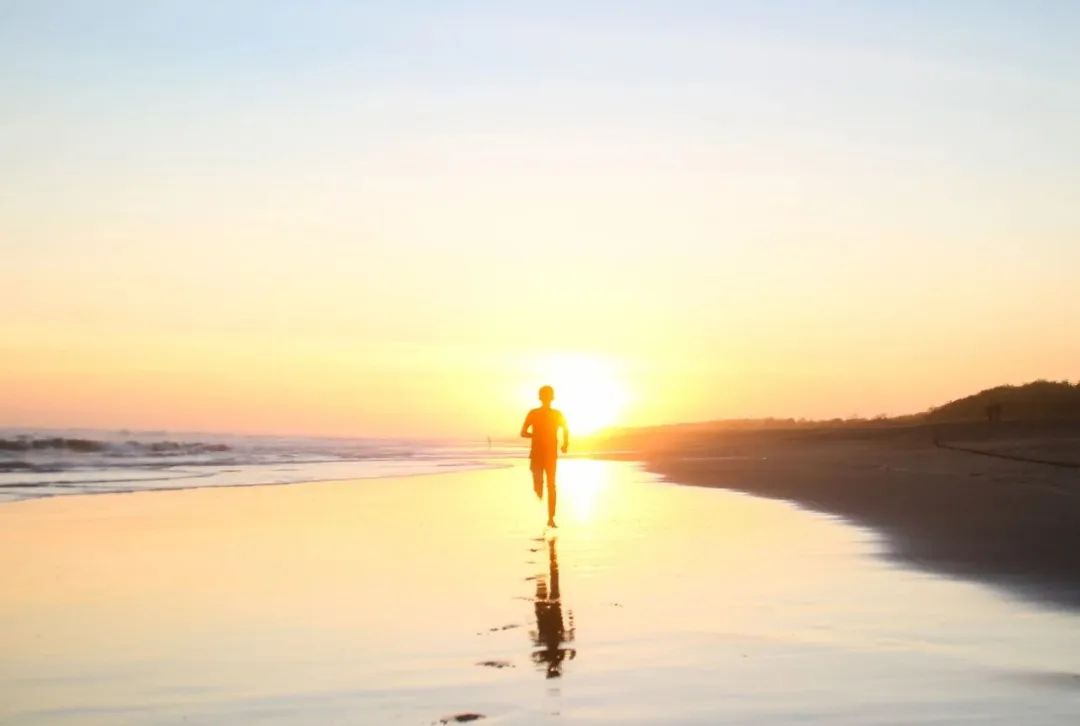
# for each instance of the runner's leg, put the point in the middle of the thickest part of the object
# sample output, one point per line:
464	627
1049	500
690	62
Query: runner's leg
538	477
550	466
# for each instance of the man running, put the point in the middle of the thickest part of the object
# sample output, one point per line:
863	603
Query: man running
545	423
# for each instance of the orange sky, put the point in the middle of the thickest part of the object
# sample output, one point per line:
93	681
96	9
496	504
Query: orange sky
366	222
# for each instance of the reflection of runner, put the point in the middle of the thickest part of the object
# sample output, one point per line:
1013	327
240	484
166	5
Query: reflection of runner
542	426
550	632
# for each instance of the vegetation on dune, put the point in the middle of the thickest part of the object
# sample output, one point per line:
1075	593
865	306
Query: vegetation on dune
1035	401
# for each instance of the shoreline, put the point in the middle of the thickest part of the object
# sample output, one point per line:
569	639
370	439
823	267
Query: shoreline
999	520
941	506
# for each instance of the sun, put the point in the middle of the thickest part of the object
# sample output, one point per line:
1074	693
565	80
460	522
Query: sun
588	389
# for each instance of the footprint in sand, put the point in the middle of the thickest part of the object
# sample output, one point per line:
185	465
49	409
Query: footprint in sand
461	718
500	664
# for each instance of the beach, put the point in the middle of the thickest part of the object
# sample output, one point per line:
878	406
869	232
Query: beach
306	303
431	598
997	504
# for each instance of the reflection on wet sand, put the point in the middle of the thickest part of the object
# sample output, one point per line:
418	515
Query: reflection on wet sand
239	605
551	633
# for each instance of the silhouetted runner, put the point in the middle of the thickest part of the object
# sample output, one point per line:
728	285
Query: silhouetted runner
545	423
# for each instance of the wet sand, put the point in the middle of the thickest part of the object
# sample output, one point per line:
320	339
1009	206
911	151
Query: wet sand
430	598
965	500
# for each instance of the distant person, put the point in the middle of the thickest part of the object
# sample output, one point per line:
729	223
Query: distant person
542	426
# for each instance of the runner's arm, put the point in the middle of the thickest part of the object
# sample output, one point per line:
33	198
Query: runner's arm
525	433
565	434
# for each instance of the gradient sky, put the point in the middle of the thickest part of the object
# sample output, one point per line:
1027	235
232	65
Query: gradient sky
384	218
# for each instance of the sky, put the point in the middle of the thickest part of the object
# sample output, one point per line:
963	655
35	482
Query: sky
400	219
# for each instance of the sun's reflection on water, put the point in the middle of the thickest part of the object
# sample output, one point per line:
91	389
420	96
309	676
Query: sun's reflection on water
583	485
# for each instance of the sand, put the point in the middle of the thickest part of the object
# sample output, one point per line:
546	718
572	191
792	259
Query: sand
428	598
994	518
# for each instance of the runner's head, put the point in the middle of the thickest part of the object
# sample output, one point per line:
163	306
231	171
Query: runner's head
547	394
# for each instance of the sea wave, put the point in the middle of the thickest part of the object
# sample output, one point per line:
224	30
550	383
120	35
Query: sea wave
26	443
49	463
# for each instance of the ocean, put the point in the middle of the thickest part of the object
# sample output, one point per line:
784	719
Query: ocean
43	463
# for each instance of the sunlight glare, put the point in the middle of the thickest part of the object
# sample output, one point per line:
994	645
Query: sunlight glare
588	389
582	482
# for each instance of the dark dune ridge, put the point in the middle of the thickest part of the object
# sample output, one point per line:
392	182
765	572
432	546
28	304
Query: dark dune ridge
1000	518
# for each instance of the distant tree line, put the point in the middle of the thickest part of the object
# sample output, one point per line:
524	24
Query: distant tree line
1036	401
